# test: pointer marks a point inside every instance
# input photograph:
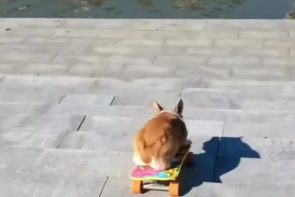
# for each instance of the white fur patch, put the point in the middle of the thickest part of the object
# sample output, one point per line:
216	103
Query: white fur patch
138	161
159	165
172	112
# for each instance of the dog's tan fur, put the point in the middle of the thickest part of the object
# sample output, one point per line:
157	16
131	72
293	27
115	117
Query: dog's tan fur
161	138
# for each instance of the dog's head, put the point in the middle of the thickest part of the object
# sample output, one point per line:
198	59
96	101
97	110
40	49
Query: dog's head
177	110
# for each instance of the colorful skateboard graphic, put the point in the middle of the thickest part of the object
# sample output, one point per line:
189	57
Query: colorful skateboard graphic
147	173
145	177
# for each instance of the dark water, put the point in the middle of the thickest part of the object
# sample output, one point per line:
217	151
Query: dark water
251	9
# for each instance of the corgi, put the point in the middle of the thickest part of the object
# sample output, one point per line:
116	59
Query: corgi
161	139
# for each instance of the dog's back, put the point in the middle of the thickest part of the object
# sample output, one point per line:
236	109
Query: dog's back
159	140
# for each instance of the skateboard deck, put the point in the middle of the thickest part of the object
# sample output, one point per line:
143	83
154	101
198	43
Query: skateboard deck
147	178
146	173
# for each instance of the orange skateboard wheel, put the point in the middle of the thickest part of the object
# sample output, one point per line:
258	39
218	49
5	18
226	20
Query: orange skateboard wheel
174	188
137	187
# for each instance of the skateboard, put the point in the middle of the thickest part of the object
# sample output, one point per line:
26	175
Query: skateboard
146	178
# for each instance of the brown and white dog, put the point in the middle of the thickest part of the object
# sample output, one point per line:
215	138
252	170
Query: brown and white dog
161	138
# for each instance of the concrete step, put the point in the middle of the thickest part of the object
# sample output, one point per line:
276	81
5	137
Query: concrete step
272	125
205	189
54	172
283	127
238	99
25	95
228	147
238	189
239	93
41	122
270	149
250	172
31	138
41	89
122	142
94	110
137	71
20	108
34	69
116	134
139	96
259	73
94	100
126	92
146	111
96	83
34	89
44	81
130	125
100	163
282	88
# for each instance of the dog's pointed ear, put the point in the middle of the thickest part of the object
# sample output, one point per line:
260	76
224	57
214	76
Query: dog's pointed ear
157	107
179	107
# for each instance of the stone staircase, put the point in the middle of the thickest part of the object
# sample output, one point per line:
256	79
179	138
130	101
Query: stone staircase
74	92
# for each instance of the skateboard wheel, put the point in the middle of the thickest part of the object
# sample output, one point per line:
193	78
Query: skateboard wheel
189	160
137	187
174	189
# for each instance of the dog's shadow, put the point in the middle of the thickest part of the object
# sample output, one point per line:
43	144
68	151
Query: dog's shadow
221	155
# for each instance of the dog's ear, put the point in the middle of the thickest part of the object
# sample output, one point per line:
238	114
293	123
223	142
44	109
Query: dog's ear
157	107
179	107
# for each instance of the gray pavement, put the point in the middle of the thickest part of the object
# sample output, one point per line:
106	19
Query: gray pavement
73	92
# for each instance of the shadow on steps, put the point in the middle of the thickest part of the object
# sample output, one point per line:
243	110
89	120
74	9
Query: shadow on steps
221	155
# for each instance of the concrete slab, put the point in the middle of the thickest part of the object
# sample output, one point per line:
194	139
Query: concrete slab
106	124
41	122
225	190
205	189
94	69
122	142
133	124
85	164
17	179
71	186
31	138
47	82
190	113
238	94
134	71
93	110
11	121
283	128
40	69
260	74
123	189
233	170
20	108
202	72
34	177
95	100
264	148
11	157
275	88
142	96
29	95
237	99
204	127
